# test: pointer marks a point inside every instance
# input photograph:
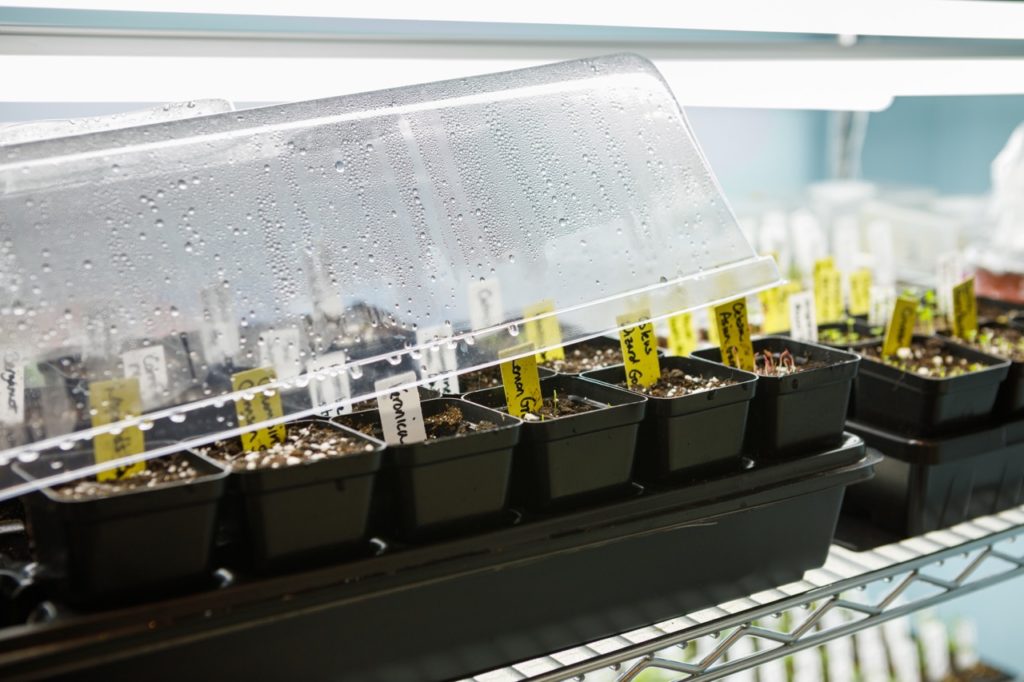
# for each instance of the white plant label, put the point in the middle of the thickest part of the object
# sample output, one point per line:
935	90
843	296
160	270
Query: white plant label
846	243
803	323
935	643
881	241
329	384
807	666
949	273
12	388
439	357
401	415
326	296
883	300
149	365
840	656
871	655
280	349
965	636
742	648
219	331
485	305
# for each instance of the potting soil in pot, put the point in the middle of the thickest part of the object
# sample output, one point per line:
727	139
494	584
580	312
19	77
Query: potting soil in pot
160	471
675	383
448	422
310	442
584	357
926	359
555	407
1001	342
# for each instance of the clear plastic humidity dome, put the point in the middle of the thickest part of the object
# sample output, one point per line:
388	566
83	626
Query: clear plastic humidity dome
341	241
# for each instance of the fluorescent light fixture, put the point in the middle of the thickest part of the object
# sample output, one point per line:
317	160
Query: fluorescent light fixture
843	84
909	18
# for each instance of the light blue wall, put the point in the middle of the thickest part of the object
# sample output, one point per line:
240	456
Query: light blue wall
944	142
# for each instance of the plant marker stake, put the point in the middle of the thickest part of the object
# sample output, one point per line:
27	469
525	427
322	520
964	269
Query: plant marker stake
521	381
803	317
682	338
544	332
900	331
259	408
965	310
828	291
775	304
639	348
110	402
860	292
401	415
734	334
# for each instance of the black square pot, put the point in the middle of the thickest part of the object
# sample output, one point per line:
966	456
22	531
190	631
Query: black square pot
448	484
914	405
277	518
795	414
692	435
1010	398
925	484
577	458
140	544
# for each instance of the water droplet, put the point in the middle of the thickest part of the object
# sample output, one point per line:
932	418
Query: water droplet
339	166
182	184
513	329
177	417
87	264
28	456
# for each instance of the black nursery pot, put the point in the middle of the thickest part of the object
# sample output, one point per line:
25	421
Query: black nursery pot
1010	398
277	518
448	484
691	435
576	458
139	544
801	412
914	405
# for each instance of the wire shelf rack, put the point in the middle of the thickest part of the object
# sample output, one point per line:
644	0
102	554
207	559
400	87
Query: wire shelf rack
851	592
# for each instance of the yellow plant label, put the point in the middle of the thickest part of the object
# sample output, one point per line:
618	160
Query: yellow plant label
822	264
774	304
260	407
682	339
734	334
110	402
828	293
900	331
860	292
521	381
965	309
545	331
639	348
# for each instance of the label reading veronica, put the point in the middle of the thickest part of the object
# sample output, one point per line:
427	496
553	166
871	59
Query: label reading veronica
401	415
258	406
639	348
110	402
734	334
521	381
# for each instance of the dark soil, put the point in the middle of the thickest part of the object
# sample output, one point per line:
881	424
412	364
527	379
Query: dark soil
675	383
980	673
1001	342
449	422
158	472
784	363
480	379
304	443
930	359
583	357
564	407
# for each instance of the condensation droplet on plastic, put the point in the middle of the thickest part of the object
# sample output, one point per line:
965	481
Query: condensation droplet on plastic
513	329
339	166
177	417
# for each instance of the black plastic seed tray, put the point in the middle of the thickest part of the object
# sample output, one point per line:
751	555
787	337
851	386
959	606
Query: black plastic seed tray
459	607
1010	399
925	484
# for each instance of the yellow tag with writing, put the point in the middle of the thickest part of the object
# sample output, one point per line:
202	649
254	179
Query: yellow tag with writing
965	310
110	402
860	292
900	331
828	293
544	332
260	408
682	338
734	334
776	310
521	381
822	264
639	348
